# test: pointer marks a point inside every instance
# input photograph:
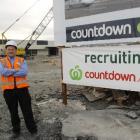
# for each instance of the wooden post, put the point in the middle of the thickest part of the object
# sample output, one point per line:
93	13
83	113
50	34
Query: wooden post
64	86
64	93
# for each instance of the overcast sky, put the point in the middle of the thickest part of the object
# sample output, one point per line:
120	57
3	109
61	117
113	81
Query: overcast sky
10	10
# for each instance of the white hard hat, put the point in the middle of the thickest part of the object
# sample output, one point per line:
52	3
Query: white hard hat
11	43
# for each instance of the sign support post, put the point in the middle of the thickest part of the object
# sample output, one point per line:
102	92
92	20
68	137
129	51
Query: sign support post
63	85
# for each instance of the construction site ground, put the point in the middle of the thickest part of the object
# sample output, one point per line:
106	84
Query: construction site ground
81	119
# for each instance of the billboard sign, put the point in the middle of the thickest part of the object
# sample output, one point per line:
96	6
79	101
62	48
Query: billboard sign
96	21
117	29
106	67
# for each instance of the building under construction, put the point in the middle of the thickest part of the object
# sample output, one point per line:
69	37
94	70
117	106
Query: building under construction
39	48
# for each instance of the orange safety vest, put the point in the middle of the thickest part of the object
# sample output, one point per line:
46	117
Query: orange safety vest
10	82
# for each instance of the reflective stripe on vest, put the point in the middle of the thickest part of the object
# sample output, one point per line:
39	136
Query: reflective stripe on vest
8	82
11	83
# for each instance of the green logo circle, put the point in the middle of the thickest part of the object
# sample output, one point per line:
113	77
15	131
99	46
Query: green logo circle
138	27
76	73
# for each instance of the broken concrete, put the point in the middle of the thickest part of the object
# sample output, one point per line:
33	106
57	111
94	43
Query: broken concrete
94	95
132	115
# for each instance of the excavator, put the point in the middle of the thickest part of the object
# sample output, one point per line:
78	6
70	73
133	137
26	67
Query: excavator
34	35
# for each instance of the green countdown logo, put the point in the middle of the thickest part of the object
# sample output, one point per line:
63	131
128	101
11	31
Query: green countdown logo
76	73
138	27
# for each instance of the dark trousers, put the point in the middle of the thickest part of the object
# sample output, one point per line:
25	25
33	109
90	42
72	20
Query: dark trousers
22	97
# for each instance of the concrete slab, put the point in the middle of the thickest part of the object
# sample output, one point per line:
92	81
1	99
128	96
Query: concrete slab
102	124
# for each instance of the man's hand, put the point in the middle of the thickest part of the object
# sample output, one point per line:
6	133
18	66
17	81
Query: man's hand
2	61
17	69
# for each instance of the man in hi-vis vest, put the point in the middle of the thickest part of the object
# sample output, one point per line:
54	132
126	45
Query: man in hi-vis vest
14	85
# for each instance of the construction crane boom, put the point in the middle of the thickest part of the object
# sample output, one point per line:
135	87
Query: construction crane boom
3	34
40	28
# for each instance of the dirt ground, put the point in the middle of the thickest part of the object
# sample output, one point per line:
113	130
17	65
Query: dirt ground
79	120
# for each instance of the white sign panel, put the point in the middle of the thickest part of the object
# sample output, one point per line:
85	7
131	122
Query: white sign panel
82	22
106	67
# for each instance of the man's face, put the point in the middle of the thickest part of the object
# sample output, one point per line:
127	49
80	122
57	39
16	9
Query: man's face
11	51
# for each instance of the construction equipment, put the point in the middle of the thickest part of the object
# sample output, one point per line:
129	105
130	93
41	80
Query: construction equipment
20	51
39	30
3	34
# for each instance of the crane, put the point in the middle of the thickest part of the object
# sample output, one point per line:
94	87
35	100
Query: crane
39	29
3	33
37	32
